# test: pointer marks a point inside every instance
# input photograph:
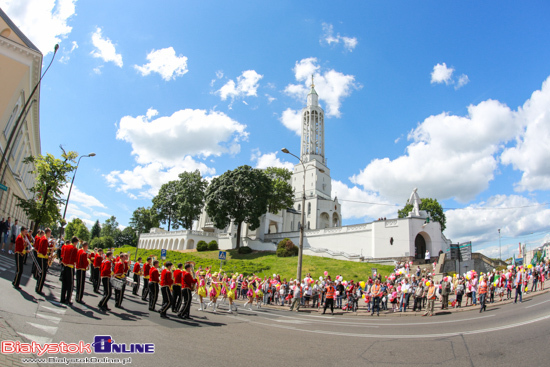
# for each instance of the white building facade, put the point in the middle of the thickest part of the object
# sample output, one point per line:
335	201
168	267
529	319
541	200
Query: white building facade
406	238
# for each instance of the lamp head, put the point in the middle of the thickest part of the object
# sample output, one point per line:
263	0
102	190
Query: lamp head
91	155
284	150
56	47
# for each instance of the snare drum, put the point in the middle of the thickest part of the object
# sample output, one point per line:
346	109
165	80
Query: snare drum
117	283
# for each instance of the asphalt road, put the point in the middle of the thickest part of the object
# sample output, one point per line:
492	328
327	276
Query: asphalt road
505	335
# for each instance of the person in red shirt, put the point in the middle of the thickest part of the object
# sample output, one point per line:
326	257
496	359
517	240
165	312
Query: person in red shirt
82	262
137	273
20	252
35	262
69	255
166	282
91	257
42	253
154	279
188	285
120	273
176	288
98	260
105	275
146	276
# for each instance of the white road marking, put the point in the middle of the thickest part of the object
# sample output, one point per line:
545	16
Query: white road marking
56	310
3	269
48	329
35	338
536	304
53	319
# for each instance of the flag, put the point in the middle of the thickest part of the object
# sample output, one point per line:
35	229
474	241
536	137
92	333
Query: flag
514	260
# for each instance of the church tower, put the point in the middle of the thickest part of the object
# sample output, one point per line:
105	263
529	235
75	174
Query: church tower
321	210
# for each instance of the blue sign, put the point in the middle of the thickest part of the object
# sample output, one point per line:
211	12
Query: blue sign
222	255
3	187
106	344
163	254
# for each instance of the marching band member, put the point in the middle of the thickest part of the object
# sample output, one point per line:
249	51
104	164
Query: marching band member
166	282
105	275
188	284
98	260
37	238
231	295
176	288
214	292
91	258
137	277
201	291
146	275
154	279
68	256
120	273
42	253
82	263
20	253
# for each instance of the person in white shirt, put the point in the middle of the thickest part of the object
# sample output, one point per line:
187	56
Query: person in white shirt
427	257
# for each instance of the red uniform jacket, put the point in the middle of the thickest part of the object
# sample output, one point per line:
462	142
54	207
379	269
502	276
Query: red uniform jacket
146	270
106	268
20	245
166	278
119	269
188	280
69	255
178	277
98	260
42	247
154	275
82	260
126	267
36	242
137	268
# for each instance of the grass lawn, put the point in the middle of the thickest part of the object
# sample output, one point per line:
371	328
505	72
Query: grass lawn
263	263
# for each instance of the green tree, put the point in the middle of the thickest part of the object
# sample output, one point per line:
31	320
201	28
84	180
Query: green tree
282	195
77	228
143	219
189	197
165	204
96	230
126	237
110	228
240	195
433	208
108	242
51	176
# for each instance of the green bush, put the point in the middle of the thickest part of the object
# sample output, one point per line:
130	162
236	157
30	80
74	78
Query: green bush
244	250
97	242
286	248
202	246
212	245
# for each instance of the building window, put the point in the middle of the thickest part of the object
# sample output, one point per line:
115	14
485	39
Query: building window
11	120
308	208
299	207
308	225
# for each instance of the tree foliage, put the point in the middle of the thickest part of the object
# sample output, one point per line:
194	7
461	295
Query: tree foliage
47	193
286	248
110	228
165	204
281	190
77	228
96	230
126	237
432	206
241	195
190	197
143	219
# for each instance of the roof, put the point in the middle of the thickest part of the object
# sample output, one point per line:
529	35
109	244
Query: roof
18	32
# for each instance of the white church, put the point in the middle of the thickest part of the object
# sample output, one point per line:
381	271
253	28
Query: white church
392	239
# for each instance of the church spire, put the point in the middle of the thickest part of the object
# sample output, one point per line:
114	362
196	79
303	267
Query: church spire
312	97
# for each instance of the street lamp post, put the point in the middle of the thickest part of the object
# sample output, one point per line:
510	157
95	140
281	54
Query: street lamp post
303	217
499	248
137	245
70	189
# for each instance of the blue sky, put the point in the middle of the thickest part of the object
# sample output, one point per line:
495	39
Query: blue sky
448	97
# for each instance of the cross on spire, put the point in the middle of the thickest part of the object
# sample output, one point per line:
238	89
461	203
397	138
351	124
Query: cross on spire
312	84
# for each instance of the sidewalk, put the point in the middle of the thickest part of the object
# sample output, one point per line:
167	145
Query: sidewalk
7	333
362	311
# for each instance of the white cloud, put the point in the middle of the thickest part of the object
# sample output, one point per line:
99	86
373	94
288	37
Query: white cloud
442	74
270	98
105	49
67	54
531	154
219	75
329	38
247	84
80	197
269	160
353	203
165	63
462	81
164	146
450	156
82	205
331	86
480	222
44	22
292	120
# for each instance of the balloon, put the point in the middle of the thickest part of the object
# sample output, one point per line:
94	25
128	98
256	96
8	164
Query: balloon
399	288
321	278
428	283
362	284
530	266
326	273
363	296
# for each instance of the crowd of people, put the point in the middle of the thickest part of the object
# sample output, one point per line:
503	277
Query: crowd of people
177	283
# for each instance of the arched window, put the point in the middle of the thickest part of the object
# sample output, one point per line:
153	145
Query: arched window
299	207
308	225
308	208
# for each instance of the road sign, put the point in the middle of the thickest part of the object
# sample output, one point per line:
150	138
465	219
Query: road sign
222	255
465	251
3	187
455	252
163	254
